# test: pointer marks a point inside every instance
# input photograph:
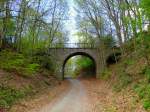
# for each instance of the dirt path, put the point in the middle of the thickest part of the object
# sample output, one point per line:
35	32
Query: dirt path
92	95
76	100
85	95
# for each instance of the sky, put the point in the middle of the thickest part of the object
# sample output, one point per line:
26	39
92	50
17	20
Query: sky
71	23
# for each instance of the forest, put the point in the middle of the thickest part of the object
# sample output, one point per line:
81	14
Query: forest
29	28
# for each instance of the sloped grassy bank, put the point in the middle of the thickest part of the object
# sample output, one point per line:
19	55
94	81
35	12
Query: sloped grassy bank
133	71
22	76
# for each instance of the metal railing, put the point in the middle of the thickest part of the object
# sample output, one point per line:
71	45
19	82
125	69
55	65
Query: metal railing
73	45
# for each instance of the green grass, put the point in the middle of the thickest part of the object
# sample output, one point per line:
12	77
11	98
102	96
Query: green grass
9	95
146	73
123	81
143	90
128	62
106	74
15	62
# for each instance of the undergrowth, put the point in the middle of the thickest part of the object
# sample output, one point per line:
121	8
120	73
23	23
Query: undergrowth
9	95
106	74
18	63
142	88
134	69
25	67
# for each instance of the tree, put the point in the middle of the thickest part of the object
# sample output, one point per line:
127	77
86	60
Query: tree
145	6
90	11
25	21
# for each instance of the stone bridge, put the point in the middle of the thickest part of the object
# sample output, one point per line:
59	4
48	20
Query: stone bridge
61	55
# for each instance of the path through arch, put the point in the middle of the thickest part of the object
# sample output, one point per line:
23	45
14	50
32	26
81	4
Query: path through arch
82	55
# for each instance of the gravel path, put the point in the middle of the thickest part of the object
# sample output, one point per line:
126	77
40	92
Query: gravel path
76	100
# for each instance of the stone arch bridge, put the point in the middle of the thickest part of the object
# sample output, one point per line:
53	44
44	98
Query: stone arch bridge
60	55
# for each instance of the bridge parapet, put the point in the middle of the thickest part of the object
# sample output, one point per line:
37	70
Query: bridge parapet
74	45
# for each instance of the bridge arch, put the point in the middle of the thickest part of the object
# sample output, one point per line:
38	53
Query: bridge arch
61	55
76	54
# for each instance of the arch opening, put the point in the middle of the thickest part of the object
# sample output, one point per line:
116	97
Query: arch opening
82	65
113	58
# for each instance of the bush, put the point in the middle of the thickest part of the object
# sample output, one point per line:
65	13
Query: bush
128	62
124	81
143	91
146	104
106	74
30	70
146	72
10	60
9	95
43	59
15	62
108	41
